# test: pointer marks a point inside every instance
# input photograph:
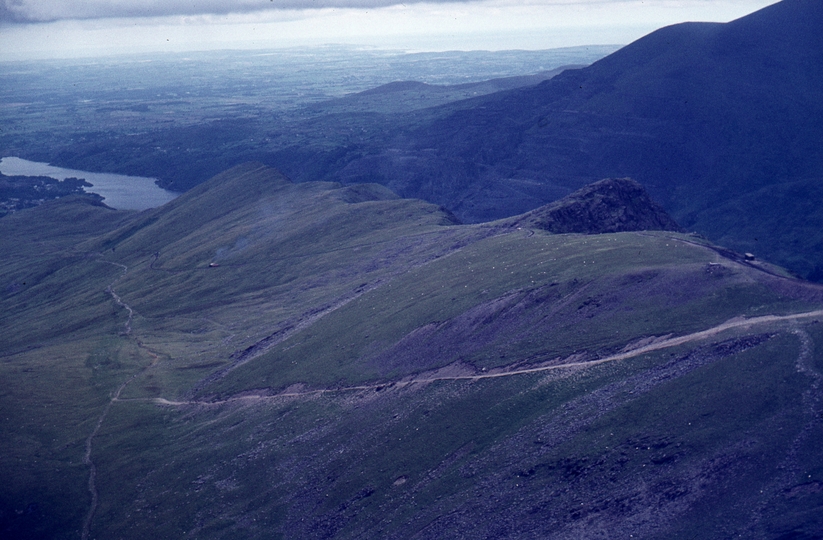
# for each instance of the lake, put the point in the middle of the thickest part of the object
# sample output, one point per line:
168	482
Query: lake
118	191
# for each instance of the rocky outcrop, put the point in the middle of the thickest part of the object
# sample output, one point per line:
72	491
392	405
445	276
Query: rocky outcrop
610	205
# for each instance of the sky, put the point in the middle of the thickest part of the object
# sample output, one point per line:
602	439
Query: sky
75	28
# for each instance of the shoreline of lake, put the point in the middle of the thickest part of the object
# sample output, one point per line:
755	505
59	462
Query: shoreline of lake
119	191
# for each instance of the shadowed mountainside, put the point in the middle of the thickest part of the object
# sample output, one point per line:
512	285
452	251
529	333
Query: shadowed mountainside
264	359
720	122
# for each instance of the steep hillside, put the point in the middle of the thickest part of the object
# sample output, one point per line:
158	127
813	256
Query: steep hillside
264	359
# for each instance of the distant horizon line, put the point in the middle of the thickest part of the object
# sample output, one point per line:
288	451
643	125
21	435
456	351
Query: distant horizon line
326	46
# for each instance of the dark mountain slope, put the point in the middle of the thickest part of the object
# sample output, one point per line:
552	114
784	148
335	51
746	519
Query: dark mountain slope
264	359
708	117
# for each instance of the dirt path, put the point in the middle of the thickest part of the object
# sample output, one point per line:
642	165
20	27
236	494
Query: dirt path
92	468
790	479
117	299
638	351
812	397
87	457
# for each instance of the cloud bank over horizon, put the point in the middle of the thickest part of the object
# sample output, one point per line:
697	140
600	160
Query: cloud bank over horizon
38	11
41	11
75	28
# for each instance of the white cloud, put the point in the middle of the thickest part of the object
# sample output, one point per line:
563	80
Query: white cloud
487	24
31	11
51	10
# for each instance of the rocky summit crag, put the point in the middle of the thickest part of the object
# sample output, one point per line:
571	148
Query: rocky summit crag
607	206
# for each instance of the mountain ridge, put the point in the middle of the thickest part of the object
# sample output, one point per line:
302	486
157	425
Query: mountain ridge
321	360
707	116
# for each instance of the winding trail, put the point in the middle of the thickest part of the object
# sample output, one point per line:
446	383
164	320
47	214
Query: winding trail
117	299
657	345
791	470
645	348
812	397
92	468
804	364
87	460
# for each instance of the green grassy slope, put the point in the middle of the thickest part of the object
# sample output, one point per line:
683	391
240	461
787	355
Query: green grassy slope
262	359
